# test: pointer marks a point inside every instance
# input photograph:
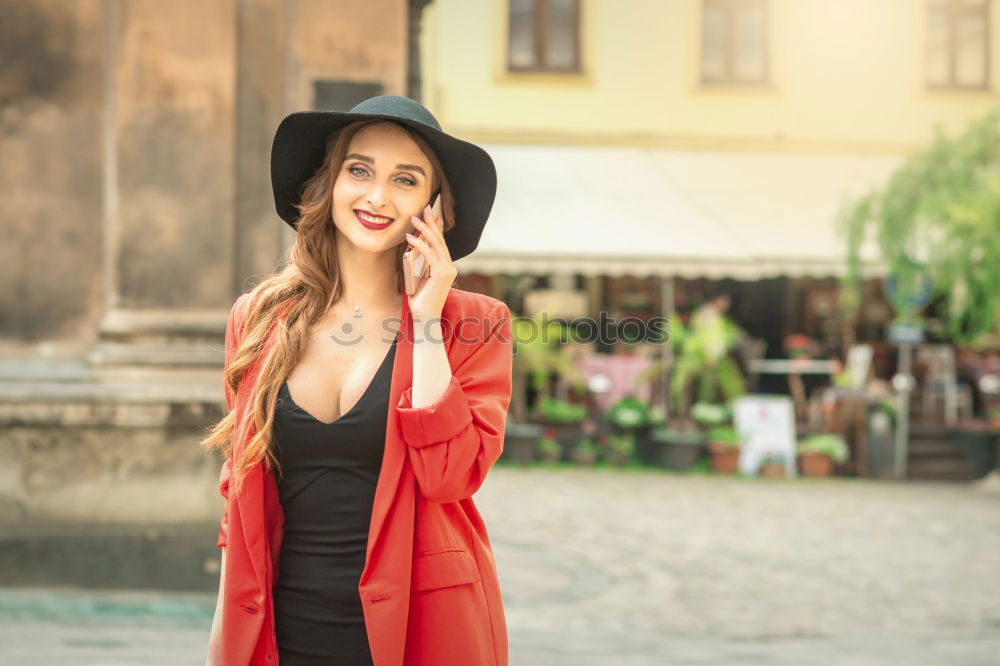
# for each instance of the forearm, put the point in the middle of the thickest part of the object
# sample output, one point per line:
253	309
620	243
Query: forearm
455	427
431	369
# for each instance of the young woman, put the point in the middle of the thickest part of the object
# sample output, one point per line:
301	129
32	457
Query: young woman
363	418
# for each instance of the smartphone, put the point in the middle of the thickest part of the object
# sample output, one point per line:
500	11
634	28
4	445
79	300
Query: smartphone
414	264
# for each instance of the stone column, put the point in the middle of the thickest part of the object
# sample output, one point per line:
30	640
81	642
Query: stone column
262	52
170	181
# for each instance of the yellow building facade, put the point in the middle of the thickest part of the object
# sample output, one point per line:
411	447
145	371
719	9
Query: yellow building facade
851	75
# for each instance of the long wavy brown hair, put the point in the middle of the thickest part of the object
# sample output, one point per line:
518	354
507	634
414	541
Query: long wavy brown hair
308	285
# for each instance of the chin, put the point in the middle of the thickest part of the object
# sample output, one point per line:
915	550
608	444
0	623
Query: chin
381	242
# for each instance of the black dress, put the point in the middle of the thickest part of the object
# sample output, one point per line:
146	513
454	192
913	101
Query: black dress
327	489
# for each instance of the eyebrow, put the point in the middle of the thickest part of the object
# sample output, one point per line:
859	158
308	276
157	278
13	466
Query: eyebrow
365	158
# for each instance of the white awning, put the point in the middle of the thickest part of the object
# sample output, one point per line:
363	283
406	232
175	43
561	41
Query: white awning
689	213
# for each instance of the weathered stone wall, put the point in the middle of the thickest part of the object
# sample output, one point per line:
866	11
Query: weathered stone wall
108	463
136	203
136	136
50	169
174	129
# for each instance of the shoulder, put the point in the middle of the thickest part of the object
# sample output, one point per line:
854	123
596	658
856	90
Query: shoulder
473	318
470	302
237	313
239	308
461	303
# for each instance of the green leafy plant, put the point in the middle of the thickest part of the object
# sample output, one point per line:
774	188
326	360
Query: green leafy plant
586	444
709	414
554	410
538	352
938	220
677	436
830	445
725	435
703	357
629	413
547	445
623	444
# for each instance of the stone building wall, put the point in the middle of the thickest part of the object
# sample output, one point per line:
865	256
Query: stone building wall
136	202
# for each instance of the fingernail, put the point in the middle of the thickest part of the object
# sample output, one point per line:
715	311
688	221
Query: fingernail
415	218
410	236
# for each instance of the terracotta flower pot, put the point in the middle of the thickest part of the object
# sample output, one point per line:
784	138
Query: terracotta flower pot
725	459
815	464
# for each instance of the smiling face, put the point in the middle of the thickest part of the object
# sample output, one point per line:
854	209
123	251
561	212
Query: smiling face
385	178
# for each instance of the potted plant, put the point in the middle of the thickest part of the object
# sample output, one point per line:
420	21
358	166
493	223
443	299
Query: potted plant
535	358
549	449
772	465
564	420
621	448
631	416
680	447
538	353
519	442
679	443
709	414
703	356
585	452
724	448
818	453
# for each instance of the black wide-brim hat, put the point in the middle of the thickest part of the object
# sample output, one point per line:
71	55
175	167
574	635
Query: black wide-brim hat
299	147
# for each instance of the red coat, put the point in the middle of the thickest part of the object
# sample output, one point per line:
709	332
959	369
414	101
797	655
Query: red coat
429	587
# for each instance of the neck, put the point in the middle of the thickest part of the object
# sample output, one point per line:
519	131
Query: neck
369	278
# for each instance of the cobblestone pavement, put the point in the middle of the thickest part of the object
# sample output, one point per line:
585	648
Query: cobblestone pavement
643	568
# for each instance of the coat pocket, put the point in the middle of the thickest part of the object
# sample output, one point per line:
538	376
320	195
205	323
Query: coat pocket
443	568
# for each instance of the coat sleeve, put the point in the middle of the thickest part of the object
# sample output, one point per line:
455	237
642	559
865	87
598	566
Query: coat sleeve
233	326
452	443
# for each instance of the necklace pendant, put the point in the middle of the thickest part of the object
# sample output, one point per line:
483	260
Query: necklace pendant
356	308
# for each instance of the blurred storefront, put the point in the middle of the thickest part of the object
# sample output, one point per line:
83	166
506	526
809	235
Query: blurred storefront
639	232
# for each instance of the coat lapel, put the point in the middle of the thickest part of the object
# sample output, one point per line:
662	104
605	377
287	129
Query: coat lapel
395	450
251	500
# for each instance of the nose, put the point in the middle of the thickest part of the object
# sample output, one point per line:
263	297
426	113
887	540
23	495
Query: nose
375	199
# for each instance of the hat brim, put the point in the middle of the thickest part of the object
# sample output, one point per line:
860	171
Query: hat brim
299	147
